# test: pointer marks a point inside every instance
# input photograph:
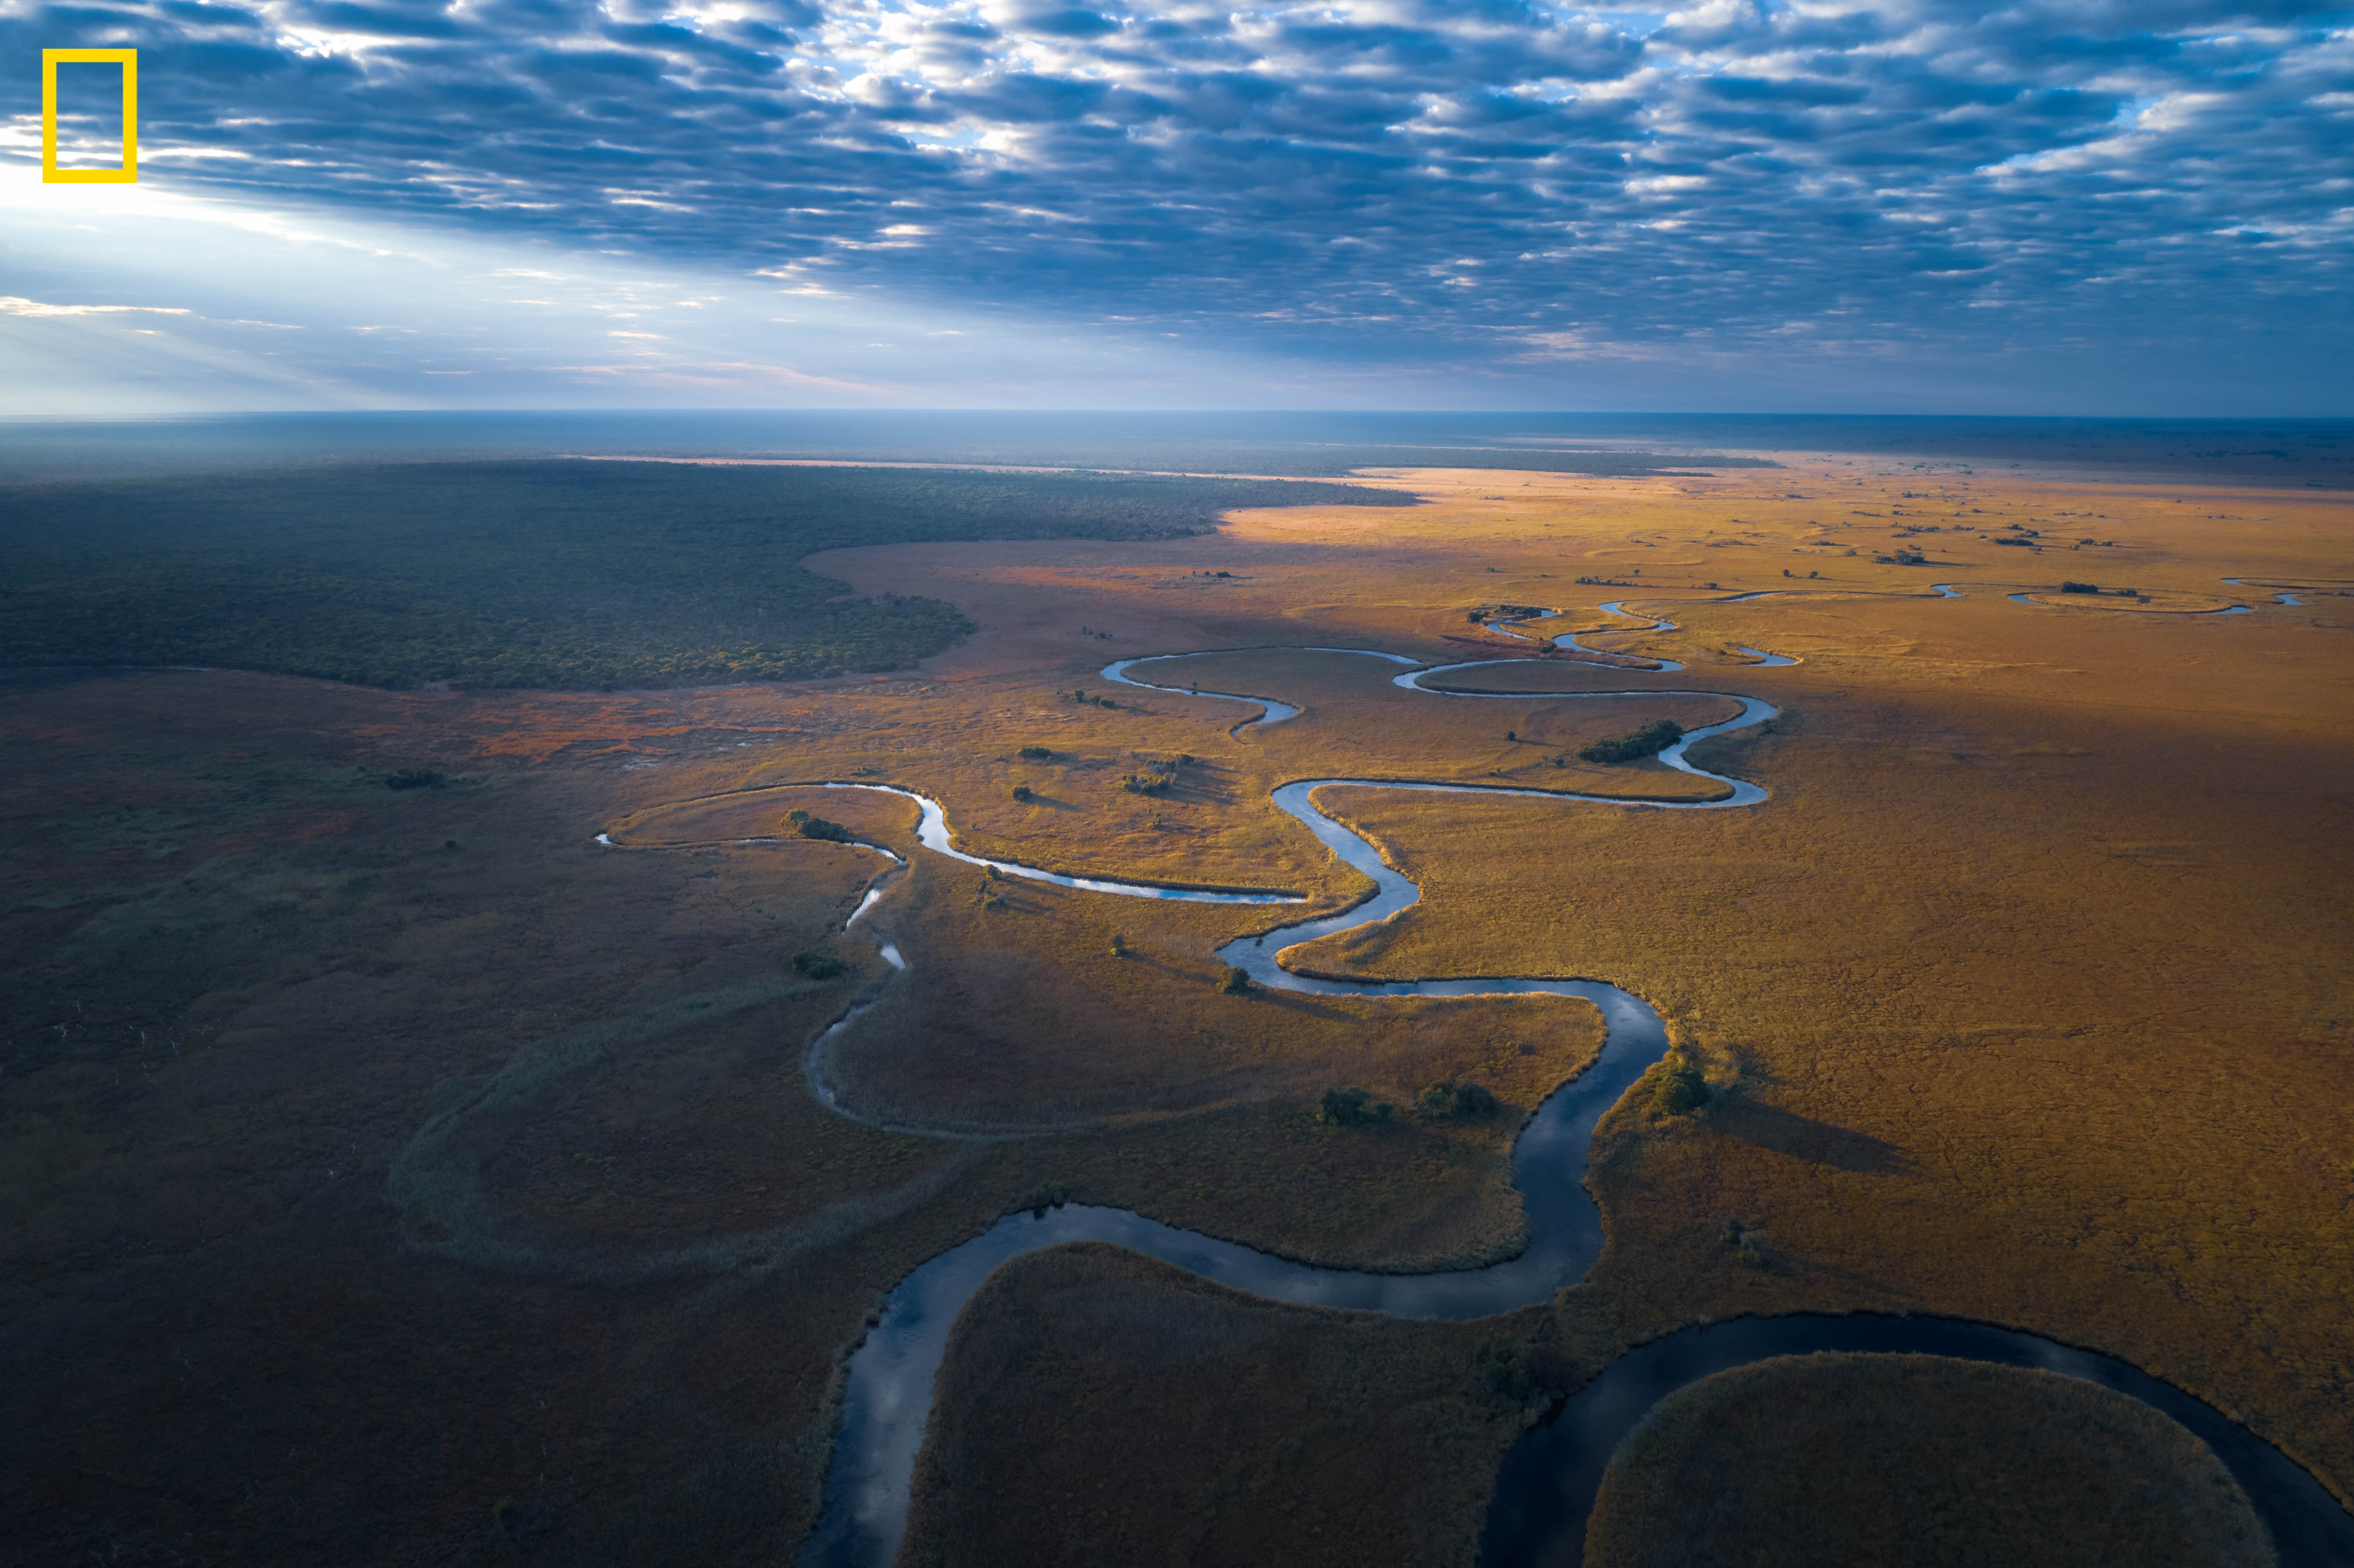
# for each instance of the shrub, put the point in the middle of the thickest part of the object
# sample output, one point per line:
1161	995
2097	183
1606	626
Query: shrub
819	966
1119	945
1452	1099
1747	1244
1649	741
1236	983
1511	735
1677	1086
811	827
1044	1196
1501	1368
2066	587
1036	753
1353	1107
415	779
1022	792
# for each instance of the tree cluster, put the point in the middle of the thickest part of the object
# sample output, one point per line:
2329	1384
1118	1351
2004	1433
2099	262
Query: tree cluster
1649	741
818	966
811	827
1677	1087
1462	1101
1353	1107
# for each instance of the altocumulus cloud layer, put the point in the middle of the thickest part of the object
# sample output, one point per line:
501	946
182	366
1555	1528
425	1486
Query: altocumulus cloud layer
2082	188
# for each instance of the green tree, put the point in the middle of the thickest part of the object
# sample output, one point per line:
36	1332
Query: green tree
1677	1087
1649	741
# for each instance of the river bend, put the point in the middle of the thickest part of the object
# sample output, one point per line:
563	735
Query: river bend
1546	1485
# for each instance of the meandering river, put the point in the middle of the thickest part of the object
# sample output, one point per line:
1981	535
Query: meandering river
1547	1483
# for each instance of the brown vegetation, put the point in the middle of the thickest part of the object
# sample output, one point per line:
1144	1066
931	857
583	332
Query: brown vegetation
1099	1406
355	1182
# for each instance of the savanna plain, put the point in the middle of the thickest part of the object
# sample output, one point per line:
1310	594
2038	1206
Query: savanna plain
425	1141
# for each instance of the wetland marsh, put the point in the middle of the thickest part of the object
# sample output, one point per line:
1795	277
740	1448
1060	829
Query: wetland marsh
1997	941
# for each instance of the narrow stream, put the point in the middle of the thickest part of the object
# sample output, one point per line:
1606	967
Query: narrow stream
2278	590
1547	1482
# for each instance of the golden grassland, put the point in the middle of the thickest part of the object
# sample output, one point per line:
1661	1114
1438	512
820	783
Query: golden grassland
1843	1461
1339	1438
2028	1011
1217	824
2025	994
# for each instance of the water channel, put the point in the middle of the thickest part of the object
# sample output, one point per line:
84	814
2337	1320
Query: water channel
1547	1486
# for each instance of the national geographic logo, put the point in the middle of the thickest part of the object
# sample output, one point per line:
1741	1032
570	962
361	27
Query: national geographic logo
129	173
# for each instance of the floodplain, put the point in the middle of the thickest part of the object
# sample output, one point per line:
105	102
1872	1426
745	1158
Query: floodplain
515	1091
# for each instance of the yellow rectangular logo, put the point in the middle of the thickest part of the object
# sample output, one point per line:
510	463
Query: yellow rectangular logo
129	173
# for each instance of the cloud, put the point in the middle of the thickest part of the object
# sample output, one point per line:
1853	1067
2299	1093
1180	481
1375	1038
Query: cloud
10	306
1931	172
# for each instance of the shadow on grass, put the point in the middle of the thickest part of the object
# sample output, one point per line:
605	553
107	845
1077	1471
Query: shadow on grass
1803	1138
1293	1001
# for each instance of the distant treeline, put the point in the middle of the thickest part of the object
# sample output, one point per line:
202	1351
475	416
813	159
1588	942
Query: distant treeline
544	574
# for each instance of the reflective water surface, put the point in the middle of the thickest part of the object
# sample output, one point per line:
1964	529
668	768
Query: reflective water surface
1547	1483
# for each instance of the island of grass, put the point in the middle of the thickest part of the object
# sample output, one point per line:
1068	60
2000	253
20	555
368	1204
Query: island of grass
541	573
1833	1460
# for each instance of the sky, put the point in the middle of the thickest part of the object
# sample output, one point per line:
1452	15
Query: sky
2047	206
